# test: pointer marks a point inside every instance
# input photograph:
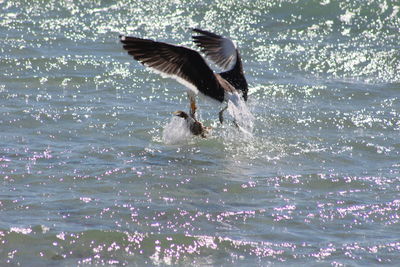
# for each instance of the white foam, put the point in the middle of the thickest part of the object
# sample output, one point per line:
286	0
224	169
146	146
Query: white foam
176	131
238	109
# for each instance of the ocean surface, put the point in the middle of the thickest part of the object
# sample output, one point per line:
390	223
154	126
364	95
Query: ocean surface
95	169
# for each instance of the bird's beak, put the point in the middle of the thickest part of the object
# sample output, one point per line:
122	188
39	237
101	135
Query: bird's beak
176	113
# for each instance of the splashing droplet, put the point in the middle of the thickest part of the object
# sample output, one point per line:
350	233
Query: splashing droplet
176	131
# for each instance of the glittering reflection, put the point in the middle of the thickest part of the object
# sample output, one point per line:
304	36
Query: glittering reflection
88	179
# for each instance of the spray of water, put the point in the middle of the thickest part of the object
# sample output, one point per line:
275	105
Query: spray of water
239	123
176	131
241	114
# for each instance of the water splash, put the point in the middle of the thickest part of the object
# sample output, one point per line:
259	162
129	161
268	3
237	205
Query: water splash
176	131
243	118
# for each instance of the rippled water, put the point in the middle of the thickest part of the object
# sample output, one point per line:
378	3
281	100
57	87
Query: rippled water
87	173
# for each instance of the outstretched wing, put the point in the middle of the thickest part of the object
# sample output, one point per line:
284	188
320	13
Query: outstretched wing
222	51
181	63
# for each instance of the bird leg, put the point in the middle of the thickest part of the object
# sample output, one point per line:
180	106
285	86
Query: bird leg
221	117
192	106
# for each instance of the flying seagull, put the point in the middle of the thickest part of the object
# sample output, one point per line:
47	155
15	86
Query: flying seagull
189	68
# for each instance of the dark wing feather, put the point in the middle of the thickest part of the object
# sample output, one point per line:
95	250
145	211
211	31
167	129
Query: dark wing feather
219	49
184	64
223	52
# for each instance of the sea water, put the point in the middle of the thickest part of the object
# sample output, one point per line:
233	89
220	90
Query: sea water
95	169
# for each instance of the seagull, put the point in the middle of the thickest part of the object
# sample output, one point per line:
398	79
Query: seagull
195	127
189	68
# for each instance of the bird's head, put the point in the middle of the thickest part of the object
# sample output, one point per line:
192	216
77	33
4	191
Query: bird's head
181	114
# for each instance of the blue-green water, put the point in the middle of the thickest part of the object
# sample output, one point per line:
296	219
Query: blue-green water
87	177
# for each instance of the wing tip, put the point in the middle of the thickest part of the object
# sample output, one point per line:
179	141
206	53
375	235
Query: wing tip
193	29
206	33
